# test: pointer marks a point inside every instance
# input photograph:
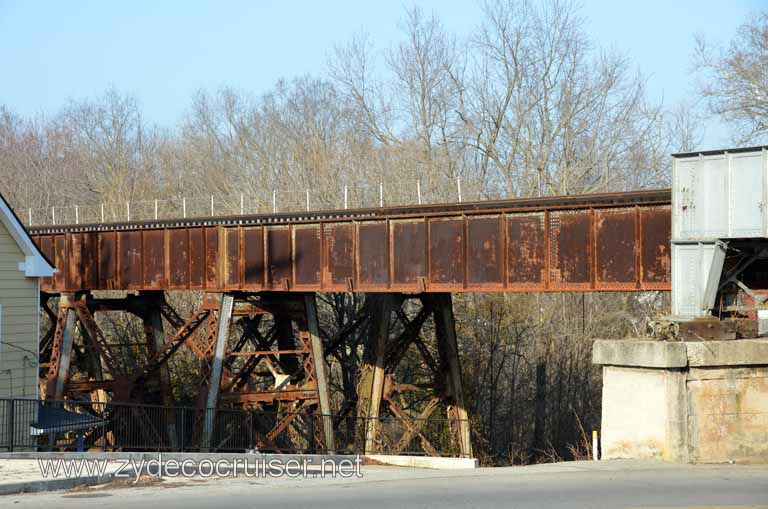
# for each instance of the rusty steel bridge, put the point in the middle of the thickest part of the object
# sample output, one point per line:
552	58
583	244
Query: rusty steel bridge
584	243
259	275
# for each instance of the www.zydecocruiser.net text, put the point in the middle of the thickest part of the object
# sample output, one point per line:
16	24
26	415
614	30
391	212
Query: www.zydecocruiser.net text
259	466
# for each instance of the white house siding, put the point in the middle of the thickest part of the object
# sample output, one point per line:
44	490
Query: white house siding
19	319
18	323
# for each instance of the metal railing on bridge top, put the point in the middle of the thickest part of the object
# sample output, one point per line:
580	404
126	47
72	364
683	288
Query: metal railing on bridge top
46	425
267	202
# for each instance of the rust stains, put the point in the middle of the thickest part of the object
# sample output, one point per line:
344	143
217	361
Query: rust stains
340	255
446	252
409	257
571	249
616	248
306	249
656	259
616	243
373	253
526	251
485	252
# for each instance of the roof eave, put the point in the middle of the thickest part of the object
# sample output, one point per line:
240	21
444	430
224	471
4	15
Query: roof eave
35	263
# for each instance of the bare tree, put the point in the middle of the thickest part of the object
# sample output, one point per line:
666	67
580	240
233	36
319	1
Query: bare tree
735	79
411	103
115	146
40	162
550	114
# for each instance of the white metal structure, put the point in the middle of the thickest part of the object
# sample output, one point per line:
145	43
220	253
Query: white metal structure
717	197
720	195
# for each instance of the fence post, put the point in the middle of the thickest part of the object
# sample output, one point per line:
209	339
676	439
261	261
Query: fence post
30	217
211	205
102	212
381	194
458	187
11	423
128	210
311	445
346	192
155	210
274	201
184	207
251	444
418	191
181	431
53	215
242	204
307	200
77	215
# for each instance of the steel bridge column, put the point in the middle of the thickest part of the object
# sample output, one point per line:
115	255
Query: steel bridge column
93	359
313	326
445	329
372	373
214	382
286	341
93	365
153	324
65	324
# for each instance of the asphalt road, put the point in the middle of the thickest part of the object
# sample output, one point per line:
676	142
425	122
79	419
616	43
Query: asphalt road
613	484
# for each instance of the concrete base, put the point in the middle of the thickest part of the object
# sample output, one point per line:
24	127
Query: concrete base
698	402
424	461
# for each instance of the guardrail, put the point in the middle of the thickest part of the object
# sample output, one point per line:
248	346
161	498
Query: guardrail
266	202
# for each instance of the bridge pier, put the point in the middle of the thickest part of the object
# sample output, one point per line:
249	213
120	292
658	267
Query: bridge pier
445	330
392	333
371	386
91	346
296	383
691	402
275	363
155	333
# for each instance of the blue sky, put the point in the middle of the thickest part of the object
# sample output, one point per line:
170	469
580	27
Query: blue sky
164	51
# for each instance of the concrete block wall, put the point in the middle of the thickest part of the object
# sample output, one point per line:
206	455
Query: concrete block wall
703	402
728	414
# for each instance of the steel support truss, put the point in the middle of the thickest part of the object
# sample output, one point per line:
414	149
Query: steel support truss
265	352
401	326
277	366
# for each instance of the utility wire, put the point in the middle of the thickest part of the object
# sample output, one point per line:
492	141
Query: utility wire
3	343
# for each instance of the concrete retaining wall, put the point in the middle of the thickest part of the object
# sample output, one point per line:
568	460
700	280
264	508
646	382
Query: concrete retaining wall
711	408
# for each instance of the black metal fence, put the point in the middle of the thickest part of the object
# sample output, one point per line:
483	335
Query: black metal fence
45	425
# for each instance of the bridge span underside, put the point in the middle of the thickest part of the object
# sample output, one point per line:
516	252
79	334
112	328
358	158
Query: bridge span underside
613	242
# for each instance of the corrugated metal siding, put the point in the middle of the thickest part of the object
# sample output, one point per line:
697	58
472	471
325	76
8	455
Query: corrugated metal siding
18	324
720	196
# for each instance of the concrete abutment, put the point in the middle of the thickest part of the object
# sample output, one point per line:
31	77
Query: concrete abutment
692	402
